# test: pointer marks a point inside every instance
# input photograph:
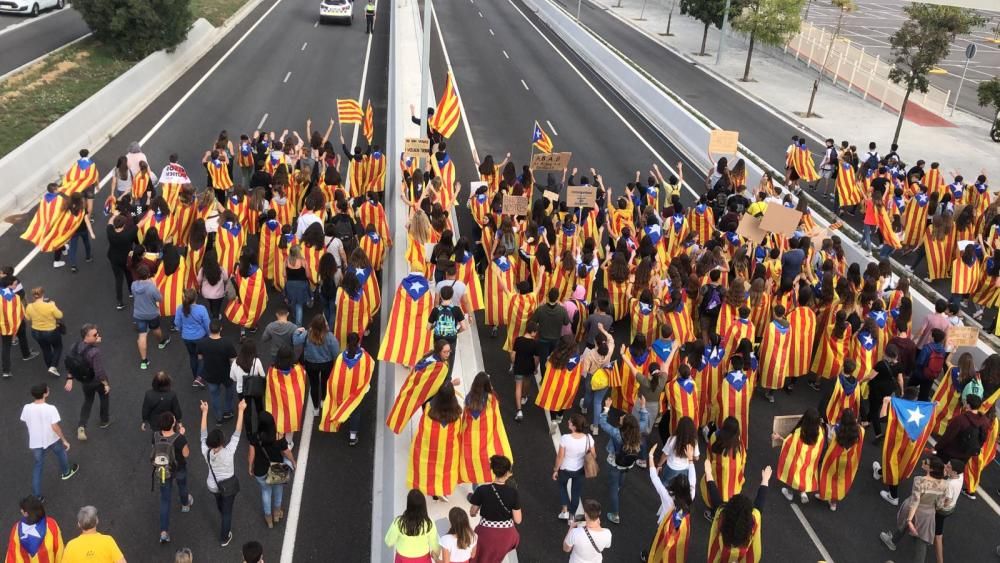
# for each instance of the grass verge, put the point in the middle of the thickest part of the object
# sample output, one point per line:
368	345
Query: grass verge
215	11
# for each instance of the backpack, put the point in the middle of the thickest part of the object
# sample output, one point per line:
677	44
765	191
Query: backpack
973	387
164	456
970	441
872	162
78	366
935	364
343	228
445	325
711	300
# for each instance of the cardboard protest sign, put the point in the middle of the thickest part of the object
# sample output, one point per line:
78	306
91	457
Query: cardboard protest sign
783	426
959	336
515	205
550	161
417	147
551	196
723	142
749	229
780	219
581	196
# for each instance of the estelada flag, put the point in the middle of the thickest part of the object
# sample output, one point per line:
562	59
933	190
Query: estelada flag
446	117
41	542
624	383
64	225
540	140
229	240
520	307
183	215
251	299
974	467
559	385
498	269
671	539
829	358
407	334
375	172
838	469
193	260
285	396
719	552
267	248
352	314
11	312
906	433
350	380
38	228
846	395
467	274
775	351
802	322
371	212
369	125
171	287
162	223
735	392
804	166
947	400
915	220
682	395
798	462
424	381
444	168
728	469
434	457
80	176
848	191
373	245
369	285
348	111
483	435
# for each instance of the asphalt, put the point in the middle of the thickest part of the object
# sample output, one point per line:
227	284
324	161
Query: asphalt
35	38
115	472
501	112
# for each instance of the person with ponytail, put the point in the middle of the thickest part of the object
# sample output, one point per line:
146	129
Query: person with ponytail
191	320
624	447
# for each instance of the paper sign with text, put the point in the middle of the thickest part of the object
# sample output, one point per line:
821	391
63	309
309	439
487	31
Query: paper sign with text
959	336
417	147
723	142
551	161
515	205
581	196
551	196
780	219
783	426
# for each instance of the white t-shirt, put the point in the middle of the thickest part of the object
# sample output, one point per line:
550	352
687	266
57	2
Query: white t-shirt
575	450
450	542
675	461
335	247
583	551
456	286
39	418
306	220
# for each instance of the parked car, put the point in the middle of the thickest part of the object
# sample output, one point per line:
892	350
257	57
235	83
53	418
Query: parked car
30	7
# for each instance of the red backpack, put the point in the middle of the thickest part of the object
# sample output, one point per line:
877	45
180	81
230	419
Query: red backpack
935	364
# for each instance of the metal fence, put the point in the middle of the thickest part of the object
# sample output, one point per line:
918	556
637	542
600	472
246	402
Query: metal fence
860	72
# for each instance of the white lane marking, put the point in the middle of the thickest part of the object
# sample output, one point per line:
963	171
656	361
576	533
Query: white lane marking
506	55
461	103
298	485
316	24
491	32
35	251
286	77
262	120
29	21
304	46
480	14
525	84
361	97
551	128
811	533
601	97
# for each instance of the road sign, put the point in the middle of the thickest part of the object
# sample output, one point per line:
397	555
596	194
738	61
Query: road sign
970	51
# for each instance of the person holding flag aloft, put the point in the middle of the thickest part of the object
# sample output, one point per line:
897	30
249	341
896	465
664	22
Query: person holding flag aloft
841	459
349	382
736	523
799	459
671	539
906	433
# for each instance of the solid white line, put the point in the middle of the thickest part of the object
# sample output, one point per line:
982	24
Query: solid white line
29	21
316	24
491	32
506	55
812	534
480	14
361	97
40	57
304	46
298	485
525	84
461	103
262	120
554	132
35	251
286	77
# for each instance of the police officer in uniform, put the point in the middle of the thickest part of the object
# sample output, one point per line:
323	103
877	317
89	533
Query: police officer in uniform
370	16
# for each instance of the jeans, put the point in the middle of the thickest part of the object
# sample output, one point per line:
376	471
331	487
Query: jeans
225	506
180	475
593	400
122	275
885	251
215	391
329	308
269	494
545	348
80	234
866	237
39	455
616	480
318	375
6	342
570	500
91	388
919	545
215	307
668	475
50	342
192	350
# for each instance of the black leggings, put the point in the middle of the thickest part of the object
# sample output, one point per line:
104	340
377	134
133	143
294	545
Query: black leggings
318	375
122	275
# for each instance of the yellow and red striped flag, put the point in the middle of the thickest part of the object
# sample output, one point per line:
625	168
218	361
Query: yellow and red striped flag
11	312
80	176
720	552
171	287
163	224
559	385
350	380
251	299
407	337
373	247
974	467
369	125
727	467
267	249
447	115
838	469
682	396
35	543
802	325
48	210
229	240
671	539
61	229
906	433
483	435
434	456
424	381
348	111
798	462
541	140
735	391
352	314
285	396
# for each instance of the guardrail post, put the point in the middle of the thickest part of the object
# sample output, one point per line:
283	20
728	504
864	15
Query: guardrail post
947	96
854	71
836	73
885	91
809	59
868	85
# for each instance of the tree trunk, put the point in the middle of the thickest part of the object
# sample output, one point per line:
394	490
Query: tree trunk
902	111
704	39
746	69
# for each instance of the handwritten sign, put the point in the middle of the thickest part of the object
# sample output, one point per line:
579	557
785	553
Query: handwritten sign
551	196
780	219
581	196
783	426
417	147
515	205
749	228
959	336
723	142
551	161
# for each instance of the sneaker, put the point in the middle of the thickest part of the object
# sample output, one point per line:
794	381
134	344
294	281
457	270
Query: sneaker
5	376
228	539
814	385
143	364
187	507
803	498
198	382
227	416
641	463
979	313
787	493
173	328
833	507
614	518
876	470
519	416
72	471
74	269
971	496
524	400
58	263
163	344
564	515
31	356
886	538
352	440
89	259
107	423
81	434
164	537
770	396
594	430
55	371
887	497
120	306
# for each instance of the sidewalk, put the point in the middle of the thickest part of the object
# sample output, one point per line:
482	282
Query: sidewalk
784	85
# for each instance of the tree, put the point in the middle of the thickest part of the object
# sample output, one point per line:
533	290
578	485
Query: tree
135	28
771	22
709	12
921	42
988	93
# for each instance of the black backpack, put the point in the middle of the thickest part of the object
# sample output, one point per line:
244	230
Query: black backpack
970	441
77	365
343	228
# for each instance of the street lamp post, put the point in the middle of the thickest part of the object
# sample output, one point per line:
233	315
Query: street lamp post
425	63
722	33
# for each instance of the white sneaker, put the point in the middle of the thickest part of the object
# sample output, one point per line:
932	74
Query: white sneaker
876	470
803	498
886	538
564	515
519	416
58	263
787	494
594	430
54	371
887	497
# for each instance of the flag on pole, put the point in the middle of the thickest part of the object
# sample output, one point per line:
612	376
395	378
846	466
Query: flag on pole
424	381
348	111
540	140
906	432
369	126
446	116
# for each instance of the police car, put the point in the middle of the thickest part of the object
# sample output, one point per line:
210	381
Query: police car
336	10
